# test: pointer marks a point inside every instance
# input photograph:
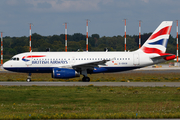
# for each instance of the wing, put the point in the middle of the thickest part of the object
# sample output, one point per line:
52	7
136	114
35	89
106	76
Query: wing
89	65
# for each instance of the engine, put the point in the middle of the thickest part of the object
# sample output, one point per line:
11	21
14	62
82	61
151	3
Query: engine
64	73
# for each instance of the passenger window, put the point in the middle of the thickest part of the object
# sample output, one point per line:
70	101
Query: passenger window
14	58
17	59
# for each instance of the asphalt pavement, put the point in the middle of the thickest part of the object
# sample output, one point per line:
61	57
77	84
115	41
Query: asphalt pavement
128	84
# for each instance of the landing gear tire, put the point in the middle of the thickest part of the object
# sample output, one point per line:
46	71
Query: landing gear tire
28	79
85	79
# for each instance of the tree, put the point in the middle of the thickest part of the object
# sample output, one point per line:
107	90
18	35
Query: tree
78	36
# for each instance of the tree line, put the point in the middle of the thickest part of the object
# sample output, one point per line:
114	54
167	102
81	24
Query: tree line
76	42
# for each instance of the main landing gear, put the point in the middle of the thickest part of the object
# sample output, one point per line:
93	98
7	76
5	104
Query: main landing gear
29	78
85	78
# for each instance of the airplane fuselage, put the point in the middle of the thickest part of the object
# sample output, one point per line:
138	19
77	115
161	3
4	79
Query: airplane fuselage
44	62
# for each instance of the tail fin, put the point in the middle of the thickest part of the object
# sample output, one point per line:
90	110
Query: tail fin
157	42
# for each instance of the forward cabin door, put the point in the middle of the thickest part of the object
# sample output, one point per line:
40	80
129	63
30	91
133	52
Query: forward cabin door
136	59
29	59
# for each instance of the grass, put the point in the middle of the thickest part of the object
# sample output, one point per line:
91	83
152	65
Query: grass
34	102
108	77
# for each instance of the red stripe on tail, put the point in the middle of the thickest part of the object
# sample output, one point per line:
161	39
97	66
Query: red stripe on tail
163	31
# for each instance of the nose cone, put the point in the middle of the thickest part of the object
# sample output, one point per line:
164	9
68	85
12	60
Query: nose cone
5	65
9	65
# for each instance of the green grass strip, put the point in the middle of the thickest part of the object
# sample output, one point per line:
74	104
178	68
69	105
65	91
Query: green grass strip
107	77
34	102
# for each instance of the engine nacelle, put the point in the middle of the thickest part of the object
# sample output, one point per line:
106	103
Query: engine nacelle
64	73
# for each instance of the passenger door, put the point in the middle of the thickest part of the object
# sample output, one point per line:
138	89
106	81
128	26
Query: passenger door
29	59
136	59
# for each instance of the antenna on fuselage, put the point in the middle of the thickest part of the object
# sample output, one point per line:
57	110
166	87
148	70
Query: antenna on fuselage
106	49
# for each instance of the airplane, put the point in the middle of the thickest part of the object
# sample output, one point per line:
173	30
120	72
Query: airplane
64	65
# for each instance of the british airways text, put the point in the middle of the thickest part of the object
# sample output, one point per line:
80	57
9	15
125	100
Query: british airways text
50	62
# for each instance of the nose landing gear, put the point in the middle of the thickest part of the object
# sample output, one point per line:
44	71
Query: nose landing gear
29	78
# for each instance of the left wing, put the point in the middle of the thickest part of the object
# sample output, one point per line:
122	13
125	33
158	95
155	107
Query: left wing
89	65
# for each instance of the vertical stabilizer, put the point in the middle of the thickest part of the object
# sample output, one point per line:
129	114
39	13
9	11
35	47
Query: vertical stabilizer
157	42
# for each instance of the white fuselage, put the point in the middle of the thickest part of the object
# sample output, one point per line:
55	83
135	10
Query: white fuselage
45	61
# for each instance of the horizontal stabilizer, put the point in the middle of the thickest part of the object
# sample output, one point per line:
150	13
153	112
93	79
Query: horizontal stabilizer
166	56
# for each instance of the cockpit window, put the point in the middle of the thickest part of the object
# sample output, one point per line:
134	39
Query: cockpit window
15	59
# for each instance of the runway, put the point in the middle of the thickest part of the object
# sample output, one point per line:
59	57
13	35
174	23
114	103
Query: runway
127	84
